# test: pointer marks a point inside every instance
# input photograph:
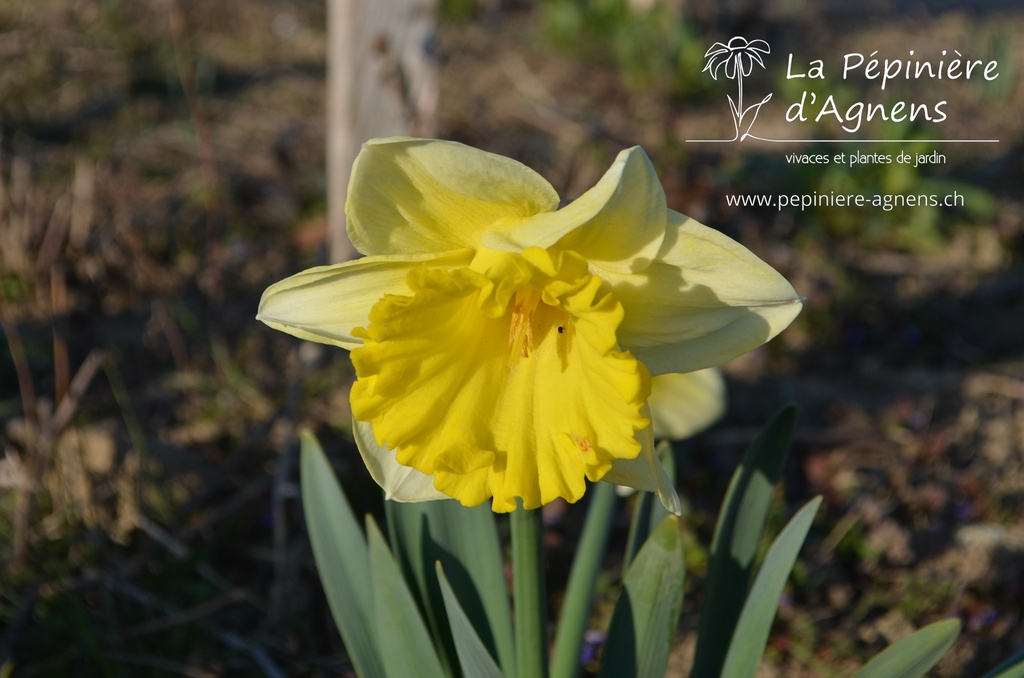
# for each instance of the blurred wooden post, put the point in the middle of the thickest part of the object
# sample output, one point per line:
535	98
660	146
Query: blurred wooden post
381	81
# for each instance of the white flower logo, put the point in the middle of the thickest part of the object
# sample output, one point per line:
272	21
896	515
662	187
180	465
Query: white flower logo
737	59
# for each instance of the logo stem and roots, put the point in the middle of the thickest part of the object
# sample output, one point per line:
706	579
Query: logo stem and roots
737	59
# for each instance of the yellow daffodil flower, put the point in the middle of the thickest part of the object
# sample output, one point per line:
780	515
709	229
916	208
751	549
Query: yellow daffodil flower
504	347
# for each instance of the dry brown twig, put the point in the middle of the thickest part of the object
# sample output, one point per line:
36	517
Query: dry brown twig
23	500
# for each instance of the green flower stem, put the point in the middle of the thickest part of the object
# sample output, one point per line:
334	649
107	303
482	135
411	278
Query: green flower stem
572	622
529	593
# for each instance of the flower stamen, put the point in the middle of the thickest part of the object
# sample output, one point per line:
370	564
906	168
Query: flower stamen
520	329
585	448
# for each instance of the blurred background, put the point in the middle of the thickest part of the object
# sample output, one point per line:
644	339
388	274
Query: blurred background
163	161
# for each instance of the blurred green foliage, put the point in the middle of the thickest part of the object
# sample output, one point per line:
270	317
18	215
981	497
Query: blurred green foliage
459	10
650	47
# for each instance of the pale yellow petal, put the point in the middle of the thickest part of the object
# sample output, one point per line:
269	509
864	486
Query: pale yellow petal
645	473
618	224
423	195
324	304
400	483
684	404
704	301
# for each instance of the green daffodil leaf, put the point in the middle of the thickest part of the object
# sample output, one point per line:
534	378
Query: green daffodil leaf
643	625
405	644
342	558
913	656
474	659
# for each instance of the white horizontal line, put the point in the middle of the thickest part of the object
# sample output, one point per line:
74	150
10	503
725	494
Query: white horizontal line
851	141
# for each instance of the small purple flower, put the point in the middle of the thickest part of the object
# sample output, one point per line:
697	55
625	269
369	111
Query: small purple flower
964	511
982	618
592	640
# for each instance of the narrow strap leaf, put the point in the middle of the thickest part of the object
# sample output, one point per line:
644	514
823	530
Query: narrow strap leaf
341	556
911	657
1011	668
755	622
474	659
737	537
465	540
644	622
405	645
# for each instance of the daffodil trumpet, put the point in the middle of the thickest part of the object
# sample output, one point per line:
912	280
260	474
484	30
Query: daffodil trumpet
504	347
